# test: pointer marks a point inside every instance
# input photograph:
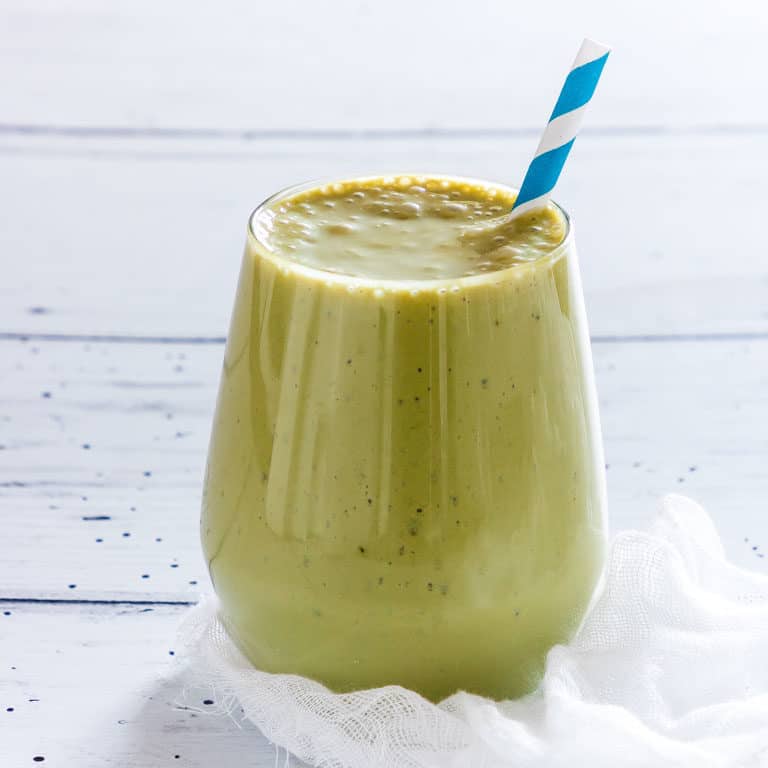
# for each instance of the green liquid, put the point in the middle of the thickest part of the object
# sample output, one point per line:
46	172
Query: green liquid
405	480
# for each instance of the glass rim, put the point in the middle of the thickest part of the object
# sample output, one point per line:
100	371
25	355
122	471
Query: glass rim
498	275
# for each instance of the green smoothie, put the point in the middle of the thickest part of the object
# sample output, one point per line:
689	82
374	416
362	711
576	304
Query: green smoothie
405	480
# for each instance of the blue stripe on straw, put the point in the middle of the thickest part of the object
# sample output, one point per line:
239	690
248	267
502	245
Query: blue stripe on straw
579	87
543	173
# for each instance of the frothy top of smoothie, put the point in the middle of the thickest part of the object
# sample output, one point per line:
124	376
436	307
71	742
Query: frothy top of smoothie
407	228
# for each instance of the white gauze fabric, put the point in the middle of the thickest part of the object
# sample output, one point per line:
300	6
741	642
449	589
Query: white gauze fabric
669	669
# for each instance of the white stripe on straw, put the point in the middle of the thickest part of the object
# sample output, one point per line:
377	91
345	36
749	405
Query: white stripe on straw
563	127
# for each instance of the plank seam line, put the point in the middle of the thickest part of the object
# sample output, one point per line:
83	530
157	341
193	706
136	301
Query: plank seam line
363	134
64	601
219	340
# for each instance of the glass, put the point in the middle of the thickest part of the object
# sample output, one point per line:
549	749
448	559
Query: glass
405	482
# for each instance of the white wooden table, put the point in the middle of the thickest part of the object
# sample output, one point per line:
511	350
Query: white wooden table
134	139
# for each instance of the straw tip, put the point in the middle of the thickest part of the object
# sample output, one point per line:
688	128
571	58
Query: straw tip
591	50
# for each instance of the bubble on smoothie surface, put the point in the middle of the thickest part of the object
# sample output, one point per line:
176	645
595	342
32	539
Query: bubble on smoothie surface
407	228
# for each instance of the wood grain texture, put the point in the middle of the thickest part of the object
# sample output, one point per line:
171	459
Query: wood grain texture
90	686
356	63
145	236
104	448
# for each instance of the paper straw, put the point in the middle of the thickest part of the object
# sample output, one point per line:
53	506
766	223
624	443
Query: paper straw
563	125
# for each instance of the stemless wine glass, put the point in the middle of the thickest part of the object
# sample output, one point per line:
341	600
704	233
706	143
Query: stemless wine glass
405	482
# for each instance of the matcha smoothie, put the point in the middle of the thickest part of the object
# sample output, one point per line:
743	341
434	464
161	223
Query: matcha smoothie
405	480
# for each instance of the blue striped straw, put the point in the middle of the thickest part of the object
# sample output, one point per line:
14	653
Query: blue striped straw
563	125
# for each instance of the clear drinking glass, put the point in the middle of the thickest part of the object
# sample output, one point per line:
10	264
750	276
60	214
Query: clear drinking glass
405	482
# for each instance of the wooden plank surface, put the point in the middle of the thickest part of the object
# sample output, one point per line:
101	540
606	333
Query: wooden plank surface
238	64
94	685
145	236
134	139
104	447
